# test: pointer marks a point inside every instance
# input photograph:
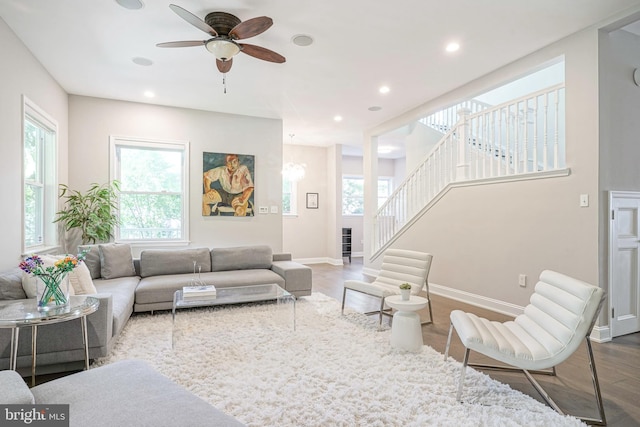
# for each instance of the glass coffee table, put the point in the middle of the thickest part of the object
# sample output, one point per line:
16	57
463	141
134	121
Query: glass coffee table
236	295
16	314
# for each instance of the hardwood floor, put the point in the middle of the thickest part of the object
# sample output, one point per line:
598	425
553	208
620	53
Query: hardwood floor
617	362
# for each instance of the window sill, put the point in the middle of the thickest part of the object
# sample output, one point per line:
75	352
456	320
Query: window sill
150	243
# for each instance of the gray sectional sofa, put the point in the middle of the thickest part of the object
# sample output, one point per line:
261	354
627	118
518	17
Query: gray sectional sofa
125	286
125	393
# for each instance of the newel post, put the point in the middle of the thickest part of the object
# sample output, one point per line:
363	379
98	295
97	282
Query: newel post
462	168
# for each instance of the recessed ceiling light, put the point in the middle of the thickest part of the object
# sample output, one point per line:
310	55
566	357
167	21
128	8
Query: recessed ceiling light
302	40
384	89
452	47
131	4
385	149
142	61
375	108
149	94
337	118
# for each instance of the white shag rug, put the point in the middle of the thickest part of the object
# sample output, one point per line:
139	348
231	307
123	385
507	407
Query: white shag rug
332	371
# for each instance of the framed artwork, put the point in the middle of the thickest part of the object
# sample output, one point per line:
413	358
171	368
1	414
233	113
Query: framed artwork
312	200
227	184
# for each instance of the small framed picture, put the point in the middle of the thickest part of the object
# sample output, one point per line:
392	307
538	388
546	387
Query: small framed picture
312	200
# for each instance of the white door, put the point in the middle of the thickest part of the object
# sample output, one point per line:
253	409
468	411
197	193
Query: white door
624	262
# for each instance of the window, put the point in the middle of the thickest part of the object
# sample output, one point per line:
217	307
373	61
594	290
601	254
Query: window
289	196
152	202
385	188
353	193
39	178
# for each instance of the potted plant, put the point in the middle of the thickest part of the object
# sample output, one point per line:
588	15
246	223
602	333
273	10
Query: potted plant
93	212
405	291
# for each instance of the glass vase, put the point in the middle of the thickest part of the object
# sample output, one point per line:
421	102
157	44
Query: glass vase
52	292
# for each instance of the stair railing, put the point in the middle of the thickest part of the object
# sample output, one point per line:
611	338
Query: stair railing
522	136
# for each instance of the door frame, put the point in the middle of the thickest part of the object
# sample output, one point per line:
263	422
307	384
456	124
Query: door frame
614	194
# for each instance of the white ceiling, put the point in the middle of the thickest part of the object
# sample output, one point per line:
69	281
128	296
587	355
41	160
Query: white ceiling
88	47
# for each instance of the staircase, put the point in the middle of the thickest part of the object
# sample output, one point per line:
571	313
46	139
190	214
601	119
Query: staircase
524	136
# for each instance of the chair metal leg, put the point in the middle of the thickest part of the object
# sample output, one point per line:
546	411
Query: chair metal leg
381	310
602	421
465	361
344	295
446	349
428	322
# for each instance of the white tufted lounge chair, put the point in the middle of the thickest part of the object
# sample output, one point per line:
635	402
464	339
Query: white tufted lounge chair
398	266
560	315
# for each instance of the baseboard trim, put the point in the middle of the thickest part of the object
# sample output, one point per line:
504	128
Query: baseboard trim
601	334
325	260
476	300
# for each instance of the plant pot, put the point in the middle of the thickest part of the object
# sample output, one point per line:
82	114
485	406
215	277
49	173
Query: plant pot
406	294
52	293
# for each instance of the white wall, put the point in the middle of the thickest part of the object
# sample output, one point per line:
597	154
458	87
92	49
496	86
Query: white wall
21	74
483	237
620	128
418	144
93	120
305	234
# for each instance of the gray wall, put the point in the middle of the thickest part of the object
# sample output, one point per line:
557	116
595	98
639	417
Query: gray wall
22	74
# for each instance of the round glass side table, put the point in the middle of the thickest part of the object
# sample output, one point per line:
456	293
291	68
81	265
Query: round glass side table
16	314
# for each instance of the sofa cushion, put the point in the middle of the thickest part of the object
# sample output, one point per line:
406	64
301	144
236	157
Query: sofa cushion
13	389
128	392
11	284
241	258
80	280
92	259
122	292
224	279
116	261
156	262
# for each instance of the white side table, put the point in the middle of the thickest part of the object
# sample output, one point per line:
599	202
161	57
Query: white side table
406	331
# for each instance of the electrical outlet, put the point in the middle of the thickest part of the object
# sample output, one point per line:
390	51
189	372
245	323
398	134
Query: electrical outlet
584	200
263	209
522	280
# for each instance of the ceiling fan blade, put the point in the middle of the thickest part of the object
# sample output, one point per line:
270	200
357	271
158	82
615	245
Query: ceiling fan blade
225	66
182	44
193	20
261	53
251	27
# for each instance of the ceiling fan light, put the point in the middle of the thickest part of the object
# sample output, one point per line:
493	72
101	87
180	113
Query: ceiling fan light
222	49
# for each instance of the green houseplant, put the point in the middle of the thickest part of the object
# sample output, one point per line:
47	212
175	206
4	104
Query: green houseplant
405	291
93	212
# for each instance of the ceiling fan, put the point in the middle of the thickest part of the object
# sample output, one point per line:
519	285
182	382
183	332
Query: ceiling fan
224	29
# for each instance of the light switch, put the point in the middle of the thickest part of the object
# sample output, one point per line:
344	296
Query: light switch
274	209
584	200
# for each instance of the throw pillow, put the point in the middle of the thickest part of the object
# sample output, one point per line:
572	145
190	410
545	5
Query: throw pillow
11	285
92	259
80	280
29	280
116	261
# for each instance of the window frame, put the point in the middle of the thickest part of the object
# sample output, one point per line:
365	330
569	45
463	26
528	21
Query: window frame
353	177
388	179
293	201
47	164
115	142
